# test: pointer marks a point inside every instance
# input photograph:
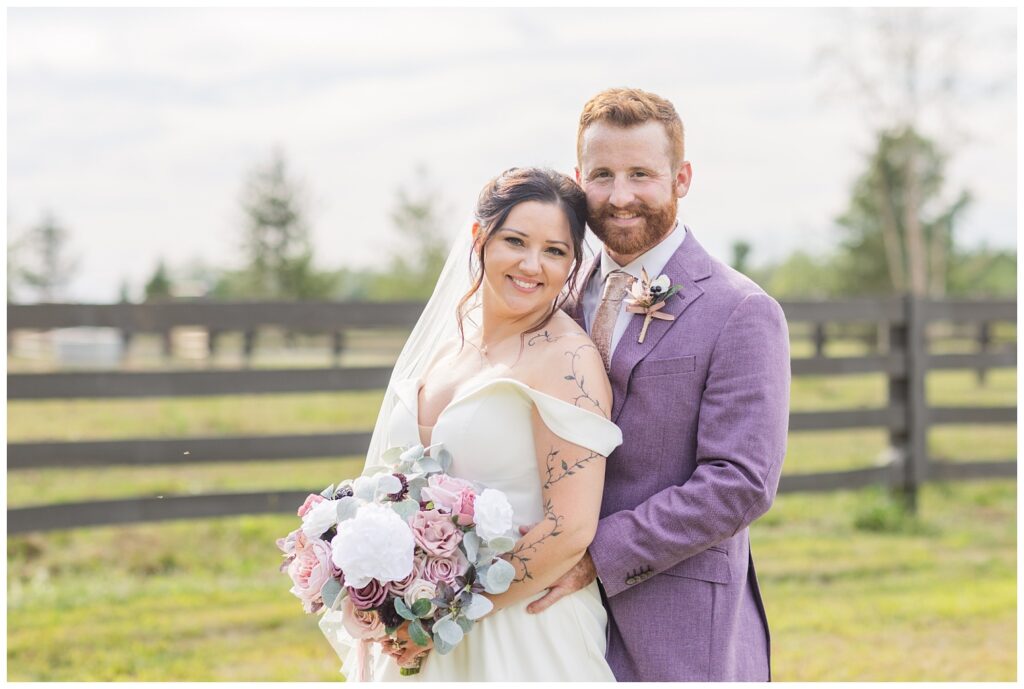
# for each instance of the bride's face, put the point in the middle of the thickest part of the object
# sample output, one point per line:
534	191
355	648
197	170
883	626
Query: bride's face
527	260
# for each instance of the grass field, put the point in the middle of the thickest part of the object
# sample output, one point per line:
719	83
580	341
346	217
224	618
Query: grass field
854	589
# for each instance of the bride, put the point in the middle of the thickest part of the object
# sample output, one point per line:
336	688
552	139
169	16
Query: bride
517	392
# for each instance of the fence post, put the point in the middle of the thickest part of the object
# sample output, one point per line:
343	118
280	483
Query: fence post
248	346
819	339
337	345
908	390
127	335
984	341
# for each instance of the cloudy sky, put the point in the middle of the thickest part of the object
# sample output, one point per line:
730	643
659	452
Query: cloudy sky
136	127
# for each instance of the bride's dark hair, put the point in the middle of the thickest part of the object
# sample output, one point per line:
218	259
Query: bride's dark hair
506	191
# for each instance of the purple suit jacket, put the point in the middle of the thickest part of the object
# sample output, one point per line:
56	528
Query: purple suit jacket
703	405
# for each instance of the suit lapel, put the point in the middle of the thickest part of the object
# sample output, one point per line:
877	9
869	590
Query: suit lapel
688	266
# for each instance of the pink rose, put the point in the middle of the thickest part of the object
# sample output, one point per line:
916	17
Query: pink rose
308	505
309	571
443	490
361	624
463	506
435	533
370	596
446	569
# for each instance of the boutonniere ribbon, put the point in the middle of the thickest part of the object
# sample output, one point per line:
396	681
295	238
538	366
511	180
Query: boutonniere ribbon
649	298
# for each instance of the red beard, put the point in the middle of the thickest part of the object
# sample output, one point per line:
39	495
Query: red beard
657	223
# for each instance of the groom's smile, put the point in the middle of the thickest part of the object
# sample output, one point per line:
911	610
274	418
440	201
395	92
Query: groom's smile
631	186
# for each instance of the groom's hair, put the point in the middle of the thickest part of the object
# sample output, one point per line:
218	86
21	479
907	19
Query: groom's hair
629	107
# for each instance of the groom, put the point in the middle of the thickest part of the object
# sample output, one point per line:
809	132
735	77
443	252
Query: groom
703	403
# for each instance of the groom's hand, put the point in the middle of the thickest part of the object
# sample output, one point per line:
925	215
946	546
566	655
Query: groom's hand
582	573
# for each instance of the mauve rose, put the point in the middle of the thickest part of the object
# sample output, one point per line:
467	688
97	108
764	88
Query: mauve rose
370	596
442	490
435	533
446	569
310	501
361	624
400	587
309	571
462	508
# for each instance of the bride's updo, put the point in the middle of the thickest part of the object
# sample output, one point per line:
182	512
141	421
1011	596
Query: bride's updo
503	193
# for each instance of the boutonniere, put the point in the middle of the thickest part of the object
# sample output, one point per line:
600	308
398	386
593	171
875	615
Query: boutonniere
649	298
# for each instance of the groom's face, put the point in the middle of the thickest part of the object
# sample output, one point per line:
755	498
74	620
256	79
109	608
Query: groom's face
632	186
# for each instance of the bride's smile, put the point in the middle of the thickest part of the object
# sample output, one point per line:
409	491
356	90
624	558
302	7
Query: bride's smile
527	260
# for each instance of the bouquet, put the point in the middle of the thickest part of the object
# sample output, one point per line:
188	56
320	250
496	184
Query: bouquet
408	543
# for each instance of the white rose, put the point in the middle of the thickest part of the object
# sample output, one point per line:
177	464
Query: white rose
662	282
375	544
421	588
319	518
492	514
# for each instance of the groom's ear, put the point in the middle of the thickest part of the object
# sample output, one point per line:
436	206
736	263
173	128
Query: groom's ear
683	176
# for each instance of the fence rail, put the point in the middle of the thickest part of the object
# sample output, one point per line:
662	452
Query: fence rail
906	417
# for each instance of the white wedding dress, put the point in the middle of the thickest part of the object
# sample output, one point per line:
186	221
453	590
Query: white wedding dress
487	429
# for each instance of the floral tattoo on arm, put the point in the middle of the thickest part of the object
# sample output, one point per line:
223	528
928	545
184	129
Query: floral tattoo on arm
557	468
579	379
519	553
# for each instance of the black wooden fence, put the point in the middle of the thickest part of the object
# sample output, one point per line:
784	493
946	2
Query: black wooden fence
905	362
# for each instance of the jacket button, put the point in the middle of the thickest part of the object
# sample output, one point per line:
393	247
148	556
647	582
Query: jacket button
630	581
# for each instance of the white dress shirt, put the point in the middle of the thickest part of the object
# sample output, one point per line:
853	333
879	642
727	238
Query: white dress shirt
653	261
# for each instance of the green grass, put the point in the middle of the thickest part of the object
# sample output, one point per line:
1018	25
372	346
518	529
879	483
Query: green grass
935	600
932	599
854	589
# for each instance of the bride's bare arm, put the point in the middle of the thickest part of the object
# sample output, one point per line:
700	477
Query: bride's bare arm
571	476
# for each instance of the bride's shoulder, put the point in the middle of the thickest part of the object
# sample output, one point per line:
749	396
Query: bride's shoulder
562	361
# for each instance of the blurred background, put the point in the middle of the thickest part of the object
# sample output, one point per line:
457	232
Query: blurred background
223	222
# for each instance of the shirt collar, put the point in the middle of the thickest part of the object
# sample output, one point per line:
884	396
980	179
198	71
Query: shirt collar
653	260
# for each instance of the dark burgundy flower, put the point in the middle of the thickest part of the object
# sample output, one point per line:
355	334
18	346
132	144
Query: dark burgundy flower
389	616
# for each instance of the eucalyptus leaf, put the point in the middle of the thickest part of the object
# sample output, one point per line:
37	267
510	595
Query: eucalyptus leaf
388	484
328	492
485	555
329	591
422	607
465	623
472	543
442	646
412	454
444	458
501	544
406	509
392	456
428	465
499	576
347	508
416	485
478	607
402	609
450	632
418	634
364	487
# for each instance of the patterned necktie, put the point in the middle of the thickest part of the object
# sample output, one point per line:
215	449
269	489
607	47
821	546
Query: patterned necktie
616	286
